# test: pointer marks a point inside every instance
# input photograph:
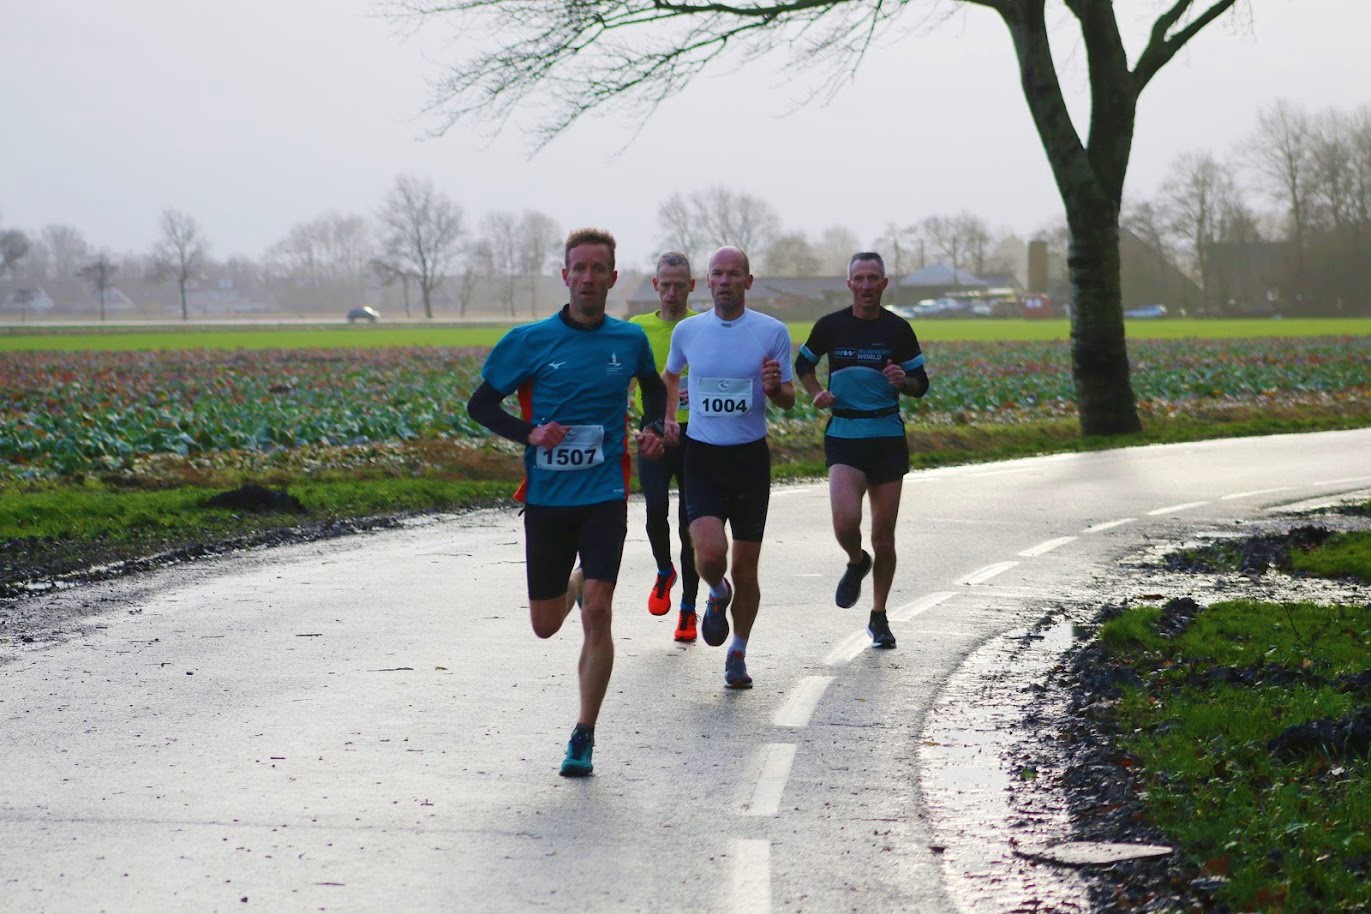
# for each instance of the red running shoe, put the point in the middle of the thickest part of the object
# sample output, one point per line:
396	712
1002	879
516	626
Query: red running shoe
659	600
685	628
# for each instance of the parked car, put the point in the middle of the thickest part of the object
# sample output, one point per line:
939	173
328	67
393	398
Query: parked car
1146	312
943	307
370	315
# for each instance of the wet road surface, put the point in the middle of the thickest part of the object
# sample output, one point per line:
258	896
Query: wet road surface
370	724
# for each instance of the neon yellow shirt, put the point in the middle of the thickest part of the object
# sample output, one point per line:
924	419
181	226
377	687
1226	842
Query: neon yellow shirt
659	338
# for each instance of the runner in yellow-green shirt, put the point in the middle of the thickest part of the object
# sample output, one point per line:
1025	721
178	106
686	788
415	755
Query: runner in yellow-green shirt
673	285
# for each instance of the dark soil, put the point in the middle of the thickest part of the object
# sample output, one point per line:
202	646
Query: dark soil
37	565
1253	555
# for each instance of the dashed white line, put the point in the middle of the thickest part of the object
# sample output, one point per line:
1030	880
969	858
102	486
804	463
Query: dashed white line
751	876
848	648
775	770
1108	525
910	610
1255	492
859	640
1172	509
1043	548
1339	482
981	575
802	702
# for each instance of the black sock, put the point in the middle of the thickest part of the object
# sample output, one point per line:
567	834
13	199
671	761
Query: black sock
587	729
877	616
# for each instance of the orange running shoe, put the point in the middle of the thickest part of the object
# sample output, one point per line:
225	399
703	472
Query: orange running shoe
685	628
659	600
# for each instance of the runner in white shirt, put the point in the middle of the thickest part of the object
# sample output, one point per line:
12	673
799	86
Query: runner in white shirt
738	360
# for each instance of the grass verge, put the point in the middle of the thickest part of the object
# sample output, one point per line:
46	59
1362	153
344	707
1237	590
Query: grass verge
1344	555
1275	813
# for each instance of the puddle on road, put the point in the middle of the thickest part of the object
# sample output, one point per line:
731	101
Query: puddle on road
972	754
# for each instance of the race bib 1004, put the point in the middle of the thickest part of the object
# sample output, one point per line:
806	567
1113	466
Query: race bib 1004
582	448
722	397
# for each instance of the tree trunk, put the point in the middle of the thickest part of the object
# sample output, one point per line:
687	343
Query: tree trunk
428	302
1099	356
185	312
1090	180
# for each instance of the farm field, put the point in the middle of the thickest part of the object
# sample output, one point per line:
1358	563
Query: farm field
110	454
335	336
78	412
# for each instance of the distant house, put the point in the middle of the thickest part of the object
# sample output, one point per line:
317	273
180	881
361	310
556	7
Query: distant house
936	281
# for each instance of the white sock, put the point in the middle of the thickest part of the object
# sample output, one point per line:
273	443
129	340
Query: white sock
718	591
739	645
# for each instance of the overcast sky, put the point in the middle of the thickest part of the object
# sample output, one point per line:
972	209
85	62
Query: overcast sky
258	114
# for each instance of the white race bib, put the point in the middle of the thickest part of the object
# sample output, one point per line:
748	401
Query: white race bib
722	397
582	448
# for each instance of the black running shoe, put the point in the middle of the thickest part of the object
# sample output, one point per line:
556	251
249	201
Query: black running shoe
714	622
879	630
850	587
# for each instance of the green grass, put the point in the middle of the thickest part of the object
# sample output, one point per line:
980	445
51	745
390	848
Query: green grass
123	338
1344	555
1288	836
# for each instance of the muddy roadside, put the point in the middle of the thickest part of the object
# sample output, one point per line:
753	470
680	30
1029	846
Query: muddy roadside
1048	781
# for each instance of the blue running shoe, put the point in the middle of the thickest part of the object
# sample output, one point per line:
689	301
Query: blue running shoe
714	623
577	762
735	671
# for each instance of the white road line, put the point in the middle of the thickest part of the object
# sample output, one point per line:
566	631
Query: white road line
982	575
802	702
775	770
860	640
1339	482
848	648
1255	492
1043	548
1172	509
751	876
1108	525
910	610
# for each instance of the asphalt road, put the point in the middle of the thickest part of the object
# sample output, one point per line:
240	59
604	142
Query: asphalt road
369	724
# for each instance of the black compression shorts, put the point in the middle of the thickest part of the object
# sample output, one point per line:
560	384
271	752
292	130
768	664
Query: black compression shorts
731	482
554	536
883	460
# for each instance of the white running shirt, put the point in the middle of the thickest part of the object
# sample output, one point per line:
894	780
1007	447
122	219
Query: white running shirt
727	404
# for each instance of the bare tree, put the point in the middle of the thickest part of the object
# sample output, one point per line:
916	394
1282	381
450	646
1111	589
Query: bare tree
67	249
100	274
1281	150
584	54
14	245
499	250
836	245
181	253
423	227
707	219
389	268
1197	193
791	254
953	237
537	238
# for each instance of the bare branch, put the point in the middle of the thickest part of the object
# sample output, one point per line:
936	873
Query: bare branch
1160	49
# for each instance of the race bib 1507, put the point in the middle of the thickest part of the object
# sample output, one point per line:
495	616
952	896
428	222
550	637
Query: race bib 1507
582	448
722	397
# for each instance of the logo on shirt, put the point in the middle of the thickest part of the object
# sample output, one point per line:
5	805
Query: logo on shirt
555	365
614	366
724	385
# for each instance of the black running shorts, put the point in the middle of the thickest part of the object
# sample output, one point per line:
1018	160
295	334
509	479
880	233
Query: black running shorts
554	536
731	482
883	460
